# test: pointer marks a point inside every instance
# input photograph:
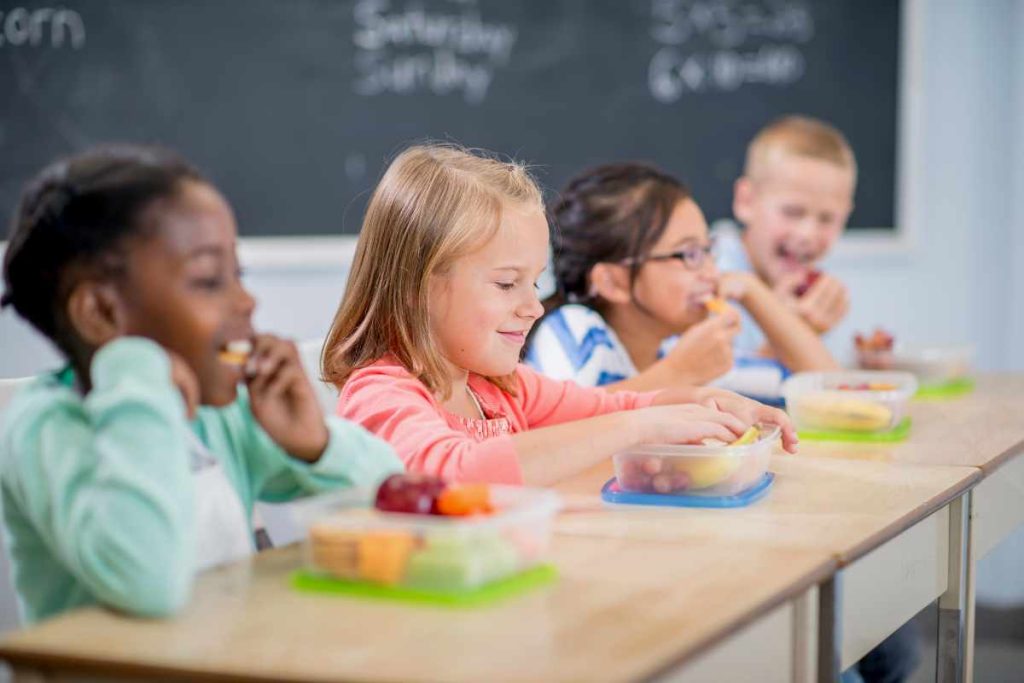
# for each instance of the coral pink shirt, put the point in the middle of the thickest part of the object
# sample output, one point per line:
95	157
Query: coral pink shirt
391	403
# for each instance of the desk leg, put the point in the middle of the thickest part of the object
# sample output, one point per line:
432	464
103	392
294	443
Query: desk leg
805	636
830	628
954	623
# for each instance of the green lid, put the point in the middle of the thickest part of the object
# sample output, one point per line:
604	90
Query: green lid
486	594
951	389
897	433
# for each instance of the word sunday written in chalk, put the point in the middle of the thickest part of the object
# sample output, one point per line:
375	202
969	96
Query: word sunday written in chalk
723	45
41	28
410	49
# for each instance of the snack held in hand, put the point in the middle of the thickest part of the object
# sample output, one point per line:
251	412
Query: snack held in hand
803	287
236	352
716	305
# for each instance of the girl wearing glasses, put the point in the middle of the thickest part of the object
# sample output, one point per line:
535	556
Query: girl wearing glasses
634	276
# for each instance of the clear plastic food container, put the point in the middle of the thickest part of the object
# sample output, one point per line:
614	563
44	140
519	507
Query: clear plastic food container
932	365
428	552
712	470
850	401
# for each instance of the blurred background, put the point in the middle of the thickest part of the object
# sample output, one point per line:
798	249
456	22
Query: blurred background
293	108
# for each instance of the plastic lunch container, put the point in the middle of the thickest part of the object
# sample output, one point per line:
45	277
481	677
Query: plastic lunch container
720	470
428	552
932	365
848	401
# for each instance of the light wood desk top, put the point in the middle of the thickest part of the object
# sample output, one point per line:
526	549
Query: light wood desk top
982	429
845	506
622	609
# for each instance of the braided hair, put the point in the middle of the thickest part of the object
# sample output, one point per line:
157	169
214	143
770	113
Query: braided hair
73	219
608	214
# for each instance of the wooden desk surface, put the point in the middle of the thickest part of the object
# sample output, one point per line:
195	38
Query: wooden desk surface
845	506
622	609
982	429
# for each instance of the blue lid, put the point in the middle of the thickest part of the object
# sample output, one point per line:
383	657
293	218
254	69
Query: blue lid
611	493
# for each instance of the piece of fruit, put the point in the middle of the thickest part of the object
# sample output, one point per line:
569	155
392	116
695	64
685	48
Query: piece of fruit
464	500
410	493
749	436
708	471
880	340
842	414
809	280
716	305
383	555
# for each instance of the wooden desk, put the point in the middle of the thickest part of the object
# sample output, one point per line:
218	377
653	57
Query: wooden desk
622	609
889	524
984	429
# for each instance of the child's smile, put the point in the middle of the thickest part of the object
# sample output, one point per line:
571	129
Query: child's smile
183	290
487	302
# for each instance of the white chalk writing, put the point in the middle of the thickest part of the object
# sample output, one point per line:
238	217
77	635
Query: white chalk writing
408	49
722	45
43	27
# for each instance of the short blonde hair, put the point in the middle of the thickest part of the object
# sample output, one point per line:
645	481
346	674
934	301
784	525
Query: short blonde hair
435	203
799	136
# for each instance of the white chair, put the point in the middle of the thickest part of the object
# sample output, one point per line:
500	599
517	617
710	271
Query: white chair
309	352
8	603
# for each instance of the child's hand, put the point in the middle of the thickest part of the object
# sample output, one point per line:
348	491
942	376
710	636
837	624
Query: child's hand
704	351
825	303
282	398
686	423
823	306
750	412
186	381
736	285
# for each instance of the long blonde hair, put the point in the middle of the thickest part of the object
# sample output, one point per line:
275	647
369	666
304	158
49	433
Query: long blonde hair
435	203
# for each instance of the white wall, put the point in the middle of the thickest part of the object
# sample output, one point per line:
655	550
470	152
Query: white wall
949	285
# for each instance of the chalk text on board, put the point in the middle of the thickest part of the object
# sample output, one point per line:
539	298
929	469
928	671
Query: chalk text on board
409	49
722	45
42	27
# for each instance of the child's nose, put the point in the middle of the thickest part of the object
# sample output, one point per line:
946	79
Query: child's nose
532	307
244	301
807	228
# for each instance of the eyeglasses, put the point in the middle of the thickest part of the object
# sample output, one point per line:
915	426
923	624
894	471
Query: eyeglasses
693	256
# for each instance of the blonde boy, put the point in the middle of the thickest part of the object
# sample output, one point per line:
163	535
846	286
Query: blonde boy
793	200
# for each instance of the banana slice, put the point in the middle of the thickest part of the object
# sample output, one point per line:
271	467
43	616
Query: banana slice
843	414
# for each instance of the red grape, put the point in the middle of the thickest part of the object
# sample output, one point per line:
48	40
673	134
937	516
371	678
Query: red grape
410	493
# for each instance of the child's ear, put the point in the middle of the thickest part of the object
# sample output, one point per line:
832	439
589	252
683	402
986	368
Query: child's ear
610	281
742	199
96	312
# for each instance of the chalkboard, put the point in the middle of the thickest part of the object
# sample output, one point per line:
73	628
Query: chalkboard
293	107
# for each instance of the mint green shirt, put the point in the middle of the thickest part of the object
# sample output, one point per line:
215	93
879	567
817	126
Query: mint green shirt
97	490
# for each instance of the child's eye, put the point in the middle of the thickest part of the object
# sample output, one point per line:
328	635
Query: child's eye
208	283
505	286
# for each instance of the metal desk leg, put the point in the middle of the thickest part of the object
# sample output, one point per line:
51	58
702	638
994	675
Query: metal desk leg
830	628
953	604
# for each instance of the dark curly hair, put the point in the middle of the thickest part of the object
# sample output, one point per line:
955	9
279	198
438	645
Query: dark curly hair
73	219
